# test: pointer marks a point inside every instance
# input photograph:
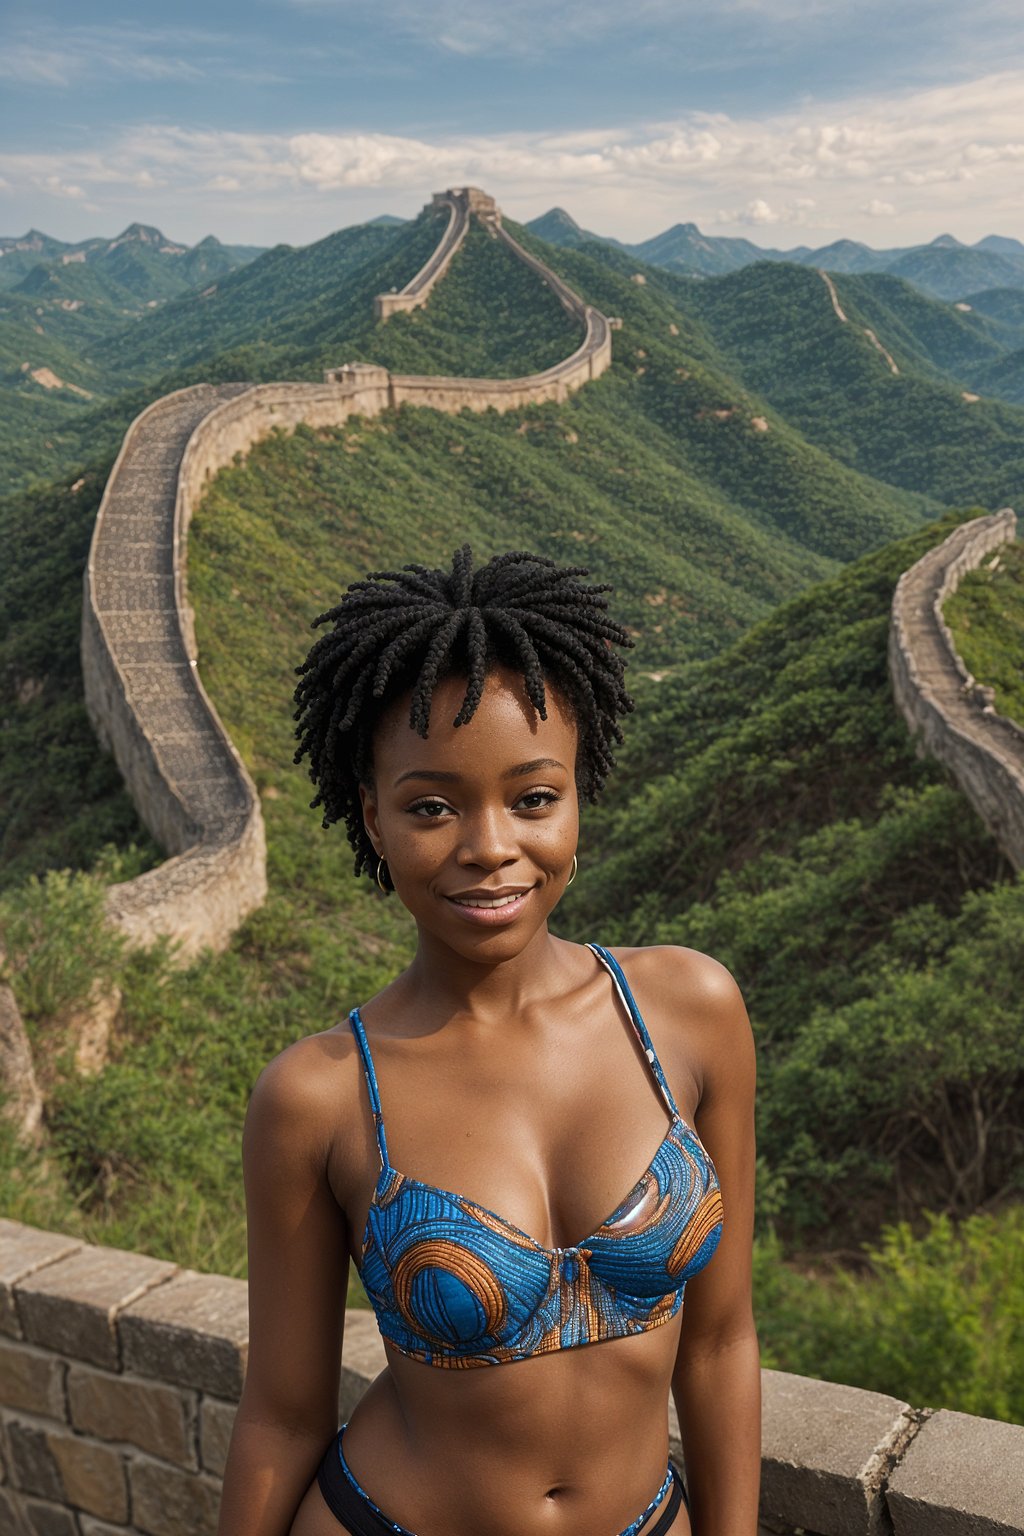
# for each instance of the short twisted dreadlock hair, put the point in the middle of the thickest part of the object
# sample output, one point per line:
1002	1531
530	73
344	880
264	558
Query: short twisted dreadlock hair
401	630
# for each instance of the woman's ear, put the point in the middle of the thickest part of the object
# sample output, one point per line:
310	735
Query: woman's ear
371	822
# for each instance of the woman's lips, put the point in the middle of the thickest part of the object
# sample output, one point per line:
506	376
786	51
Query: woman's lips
491	917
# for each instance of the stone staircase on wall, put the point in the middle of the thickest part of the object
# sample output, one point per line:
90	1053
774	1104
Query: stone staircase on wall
147	702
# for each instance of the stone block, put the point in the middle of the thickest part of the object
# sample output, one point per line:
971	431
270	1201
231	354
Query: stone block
961	1476
166	1502
93	1475
130	594
193	1331
184	758
32	1380
22	1251
160	457
178	712
11	1523
157	1418
362	1358
31	1465
91	1527
117	554
49	1519
138	482
825	1451
216	1420
155	680
70	1306
132	517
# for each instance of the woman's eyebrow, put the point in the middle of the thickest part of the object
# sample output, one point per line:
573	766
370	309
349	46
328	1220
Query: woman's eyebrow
442	776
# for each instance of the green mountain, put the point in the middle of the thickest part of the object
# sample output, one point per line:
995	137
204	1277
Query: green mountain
140	259
943	269
950	273
560	228
777	327
684	249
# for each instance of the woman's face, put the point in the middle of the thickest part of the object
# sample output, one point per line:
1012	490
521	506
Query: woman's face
477	813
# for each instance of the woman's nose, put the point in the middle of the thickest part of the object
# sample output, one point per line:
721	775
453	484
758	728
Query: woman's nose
488	840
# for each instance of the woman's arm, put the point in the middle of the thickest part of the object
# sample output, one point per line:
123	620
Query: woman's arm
717	1379
298	1273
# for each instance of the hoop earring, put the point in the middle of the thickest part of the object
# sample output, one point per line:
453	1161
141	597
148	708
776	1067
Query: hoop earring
572	877
380	882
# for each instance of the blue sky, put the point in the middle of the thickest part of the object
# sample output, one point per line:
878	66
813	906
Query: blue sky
789	121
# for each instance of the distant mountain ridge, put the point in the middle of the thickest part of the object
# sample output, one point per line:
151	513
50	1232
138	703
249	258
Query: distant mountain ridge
944	268
140	259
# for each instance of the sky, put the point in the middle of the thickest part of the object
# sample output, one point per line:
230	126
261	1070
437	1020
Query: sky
791	122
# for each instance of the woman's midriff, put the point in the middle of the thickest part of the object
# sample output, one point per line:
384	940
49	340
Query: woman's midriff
569	1444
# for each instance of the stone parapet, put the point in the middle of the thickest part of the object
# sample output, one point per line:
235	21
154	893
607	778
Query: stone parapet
938	697
148	705
137	1446
418	290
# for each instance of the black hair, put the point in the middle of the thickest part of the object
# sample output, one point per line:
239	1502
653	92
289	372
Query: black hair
404	629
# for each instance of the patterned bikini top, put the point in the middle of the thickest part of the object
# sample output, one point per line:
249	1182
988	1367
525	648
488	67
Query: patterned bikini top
455	1284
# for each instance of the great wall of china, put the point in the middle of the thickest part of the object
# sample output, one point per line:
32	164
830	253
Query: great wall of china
952	717
119	1374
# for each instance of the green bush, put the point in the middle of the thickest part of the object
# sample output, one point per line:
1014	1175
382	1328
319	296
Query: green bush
937	1319
57	943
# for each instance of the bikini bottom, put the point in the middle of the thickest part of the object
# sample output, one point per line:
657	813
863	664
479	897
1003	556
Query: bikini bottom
352	1506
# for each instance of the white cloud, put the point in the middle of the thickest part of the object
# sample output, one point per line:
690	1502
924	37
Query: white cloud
531	27
59	188
954	152
757	211
60	66
46	55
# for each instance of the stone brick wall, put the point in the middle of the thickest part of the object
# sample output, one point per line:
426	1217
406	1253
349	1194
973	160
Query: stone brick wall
120	1375
147	703
938	697
418	290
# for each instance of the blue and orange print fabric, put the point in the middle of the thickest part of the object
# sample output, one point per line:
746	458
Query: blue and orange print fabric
454	1284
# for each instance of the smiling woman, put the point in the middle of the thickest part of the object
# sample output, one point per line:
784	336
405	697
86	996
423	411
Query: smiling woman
455	721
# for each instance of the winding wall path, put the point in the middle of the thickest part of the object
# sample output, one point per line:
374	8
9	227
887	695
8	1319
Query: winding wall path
417	291
139	657
938	697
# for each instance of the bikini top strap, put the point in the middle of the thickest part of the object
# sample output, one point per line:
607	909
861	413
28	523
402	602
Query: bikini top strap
623	987
371	1082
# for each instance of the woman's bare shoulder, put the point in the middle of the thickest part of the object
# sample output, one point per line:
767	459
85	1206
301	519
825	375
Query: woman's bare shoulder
309	1090
689	988
667	967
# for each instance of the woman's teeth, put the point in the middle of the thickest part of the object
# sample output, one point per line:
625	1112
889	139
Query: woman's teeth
480	901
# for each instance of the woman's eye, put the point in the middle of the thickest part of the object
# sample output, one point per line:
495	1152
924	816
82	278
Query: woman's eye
430	807
539	797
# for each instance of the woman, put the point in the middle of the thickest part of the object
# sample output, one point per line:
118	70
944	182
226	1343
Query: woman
454	720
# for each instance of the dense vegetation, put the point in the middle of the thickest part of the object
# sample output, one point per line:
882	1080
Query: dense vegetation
869	916
986	615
